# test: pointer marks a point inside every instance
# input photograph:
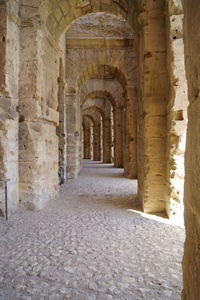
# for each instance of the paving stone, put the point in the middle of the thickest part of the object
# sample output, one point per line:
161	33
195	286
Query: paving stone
91	244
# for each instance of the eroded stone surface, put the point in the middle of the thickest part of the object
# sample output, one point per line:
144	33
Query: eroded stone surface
89	244
191	264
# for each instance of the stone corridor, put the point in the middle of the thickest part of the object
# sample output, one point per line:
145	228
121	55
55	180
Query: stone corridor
91	243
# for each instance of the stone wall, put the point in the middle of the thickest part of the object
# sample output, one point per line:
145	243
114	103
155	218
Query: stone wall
191	262
38	142
73	127
61	129
121	64
176	110
9	88
87	138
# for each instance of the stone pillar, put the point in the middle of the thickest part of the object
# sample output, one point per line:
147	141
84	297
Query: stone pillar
97	142
87	141
61	131
191	261
153	92
9	97
73	135
130	134
176	111
38	142
118	137
107	140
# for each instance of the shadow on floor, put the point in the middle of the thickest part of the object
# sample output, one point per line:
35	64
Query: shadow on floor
85	166
107	175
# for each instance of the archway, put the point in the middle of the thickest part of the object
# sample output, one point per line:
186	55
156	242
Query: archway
31	84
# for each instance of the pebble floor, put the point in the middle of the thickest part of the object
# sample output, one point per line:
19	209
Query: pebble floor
90	243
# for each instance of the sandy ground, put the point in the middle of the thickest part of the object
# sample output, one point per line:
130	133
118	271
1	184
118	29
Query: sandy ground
90	243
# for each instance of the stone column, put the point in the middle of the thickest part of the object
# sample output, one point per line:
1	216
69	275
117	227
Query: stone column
191	261
118	137
130	134
87	141
38	142
176	111
107	140
73	134
97	142
154	88
61	132
9	97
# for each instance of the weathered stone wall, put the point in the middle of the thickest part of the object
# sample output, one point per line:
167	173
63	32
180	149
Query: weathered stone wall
118	120
59	19
9	88
38	141
61	129
87	138
130	133
73	127
110	89
176	110
97	141
92	61
107	140
191	262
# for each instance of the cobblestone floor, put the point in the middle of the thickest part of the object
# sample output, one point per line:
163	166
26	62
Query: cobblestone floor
91	244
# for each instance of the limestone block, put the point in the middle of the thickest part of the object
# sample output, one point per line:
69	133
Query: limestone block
51	116
30	110
156	126
9	163
12	59
175	7
2	45
38	163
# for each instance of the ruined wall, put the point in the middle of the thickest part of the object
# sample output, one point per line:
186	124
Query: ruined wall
191	262
9	76
176	110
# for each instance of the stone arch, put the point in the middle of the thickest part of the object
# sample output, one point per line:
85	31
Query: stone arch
101	103
96	108
89	117
121	65
94	115
111	89
102	71
87	124
107	136
99	95
96	119
58	18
